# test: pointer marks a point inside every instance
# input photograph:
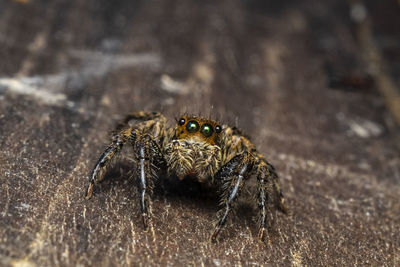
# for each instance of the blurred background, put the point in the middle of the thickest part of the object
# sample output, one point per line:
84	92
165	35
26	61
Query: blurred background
314	83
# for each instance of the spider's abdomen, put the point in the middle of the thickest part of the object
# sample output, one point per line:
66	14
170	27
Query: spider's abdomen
191	157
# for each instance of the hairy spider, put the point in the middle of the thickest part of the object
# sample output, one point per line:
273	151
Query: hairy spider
197	147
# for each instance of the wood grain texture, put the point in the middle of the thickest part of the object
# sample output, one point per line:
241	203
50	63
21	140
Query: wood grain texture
70	69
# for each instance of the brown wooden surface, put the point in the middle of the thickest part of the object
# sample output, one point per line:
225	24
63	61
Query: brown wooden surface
70	69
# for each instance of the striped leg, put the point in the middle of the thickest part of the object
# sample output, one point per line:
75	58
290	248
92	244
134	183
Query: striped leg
151	122
268	192
149	158
112	150
232	175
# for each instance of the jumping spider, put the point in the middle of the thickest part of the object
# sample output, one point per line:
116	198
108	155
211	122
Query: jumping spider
199	147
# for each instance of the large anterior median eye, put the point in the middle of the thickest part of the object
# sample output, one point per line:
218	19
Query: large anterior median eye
207	130
192	126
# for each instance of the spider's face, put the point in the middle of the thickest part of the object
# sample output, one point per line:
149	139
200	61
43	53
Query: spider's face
194	150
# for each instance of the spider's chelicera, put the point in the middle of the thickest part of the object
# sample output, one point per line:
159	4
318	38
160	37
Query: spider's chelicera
196	147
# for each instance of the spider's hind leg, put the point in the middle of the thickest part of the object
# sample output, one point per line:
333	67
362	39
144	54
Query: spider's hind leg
133	118
269	192
105	159
280	199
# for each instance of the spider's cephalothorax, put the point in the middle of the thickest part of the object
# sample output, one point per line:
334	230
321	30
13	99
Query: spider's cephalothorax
196	147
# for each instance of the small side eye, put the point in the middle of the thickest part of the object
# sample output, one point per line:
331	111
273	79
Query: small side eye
181	121
218	129
192	126
207	130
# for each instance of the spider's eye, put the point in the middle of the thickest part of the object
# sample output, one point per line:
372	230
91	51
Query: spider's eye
218	129
192	126
207	130
181	121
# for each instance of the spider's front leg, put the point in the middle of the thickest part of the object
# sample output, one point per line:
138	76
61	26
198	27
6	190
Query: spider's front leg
148	156
232	175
